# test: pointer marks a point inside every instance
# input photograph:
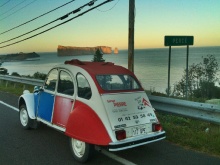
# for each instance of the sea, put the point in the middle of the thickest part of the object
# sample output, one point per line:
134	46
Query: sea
150	65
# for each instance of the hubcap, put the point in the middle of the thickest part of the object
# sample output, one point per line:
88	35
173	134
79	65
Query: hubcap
24	117
78	147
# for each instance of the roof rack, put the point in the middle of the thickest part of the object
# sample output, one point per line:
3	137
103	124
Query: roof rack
108	63
78	62
74	62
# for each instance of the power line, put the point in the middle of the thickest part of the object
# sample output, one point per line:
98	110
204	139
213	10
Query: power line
13	7
17	10
60	18
107	1
109	8
36	17
5	3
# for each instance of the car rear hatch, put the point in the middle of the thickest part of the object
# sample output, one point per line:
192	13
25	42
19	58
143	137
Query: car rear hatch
131	112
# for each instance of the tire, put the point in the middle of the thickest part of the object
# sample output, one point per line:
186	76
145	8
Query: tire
81	151
24	117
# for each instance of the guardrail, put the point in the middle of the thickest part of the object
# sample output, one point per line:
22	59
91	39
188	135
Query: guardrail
202	111
22	80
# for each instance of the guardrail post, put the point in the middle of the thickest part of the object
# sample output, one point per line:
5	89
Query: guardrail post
24	87
6	85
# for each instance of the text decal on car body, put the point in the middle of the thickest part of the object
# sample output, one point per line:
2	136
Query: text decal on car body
128	109
117	104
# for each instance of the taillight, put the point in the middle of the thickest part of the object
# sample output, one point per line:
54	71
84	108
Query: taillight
120	134
156	127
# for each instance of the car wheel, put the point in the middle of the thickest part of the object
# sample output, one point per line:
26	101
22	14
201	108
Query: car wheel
24	117
81	151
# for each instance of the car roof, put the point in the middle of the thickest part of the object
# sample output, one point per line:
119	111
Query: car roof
98	68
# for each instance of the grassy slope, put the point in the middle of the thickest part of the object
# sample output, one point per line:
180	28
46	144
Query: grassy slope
194	134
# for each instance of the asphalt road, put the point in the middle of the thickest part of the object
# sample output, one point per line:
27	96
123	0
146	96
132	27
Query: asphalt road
48	146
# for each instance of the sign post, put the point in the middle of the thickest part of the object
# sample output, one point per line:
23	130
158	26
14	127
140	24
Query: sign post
131	35
178	41
168	89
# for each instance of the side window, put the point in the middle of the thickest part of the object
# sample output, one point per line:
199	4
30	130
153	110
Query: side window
65	84
51	80
84	89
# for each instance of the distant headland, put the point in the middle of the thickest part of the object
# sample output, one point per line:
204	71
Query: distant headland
19	57
74	51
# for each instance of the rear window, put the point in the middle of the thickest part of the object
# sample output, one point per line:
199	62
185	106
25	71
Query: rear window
117	82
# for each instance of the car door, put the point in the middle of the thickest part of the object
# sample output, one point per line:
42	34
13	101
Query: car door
64	98
46	98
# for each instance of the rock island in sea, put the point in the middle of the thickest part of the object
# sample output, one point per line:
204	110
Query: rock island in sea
19	57
75	51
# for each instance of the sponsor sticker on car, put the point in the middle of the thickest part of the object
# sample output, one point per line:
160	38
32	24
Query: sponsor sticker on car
126	110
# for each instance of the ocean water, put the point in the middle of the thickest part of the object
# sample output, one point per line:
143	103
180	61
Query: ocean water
150	65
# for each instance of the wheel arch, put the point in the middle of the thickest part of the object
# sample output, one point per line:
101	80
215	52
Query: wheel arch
28	100
85	125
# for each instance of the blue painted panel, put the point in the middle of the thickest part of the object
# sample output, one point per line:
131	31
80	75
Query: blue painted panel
45	107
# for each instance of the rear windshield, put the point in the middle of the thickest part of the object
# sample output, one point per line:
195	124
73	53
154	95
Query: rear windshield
117	82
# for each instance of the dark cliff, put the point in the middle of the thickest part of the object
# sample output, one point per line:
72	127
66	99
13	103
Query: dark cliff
74	51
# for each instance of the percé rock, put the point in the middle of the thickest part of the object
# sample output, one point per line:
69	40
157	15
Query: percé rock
74	51
18	56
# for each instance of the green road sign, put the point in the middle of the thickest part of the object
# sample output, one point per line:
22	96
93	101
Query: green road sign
178	40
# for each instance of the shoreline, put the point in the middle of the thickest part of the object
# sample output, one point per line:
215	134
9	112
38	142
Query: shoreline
137	49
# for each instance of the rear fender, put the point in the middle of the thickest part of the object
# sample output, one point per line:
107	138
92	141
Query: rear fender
85	125
28	100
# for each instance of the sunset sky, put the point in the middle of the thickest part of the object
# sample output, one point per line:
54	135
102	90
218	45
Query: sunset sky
108	25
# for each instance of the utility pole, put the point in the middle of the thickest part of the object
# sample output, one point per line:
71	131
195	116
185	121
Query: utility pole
131	36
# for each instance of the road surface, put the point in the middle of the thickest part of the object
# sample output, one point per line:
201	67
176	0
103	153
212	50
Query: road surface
48	146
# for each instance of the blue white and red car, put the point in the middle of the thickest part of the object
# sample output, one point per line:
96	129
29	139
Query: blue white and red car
95	104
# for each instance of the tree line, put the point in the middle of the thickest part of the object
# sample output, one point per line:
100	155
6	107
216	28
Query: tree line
36	75
203	80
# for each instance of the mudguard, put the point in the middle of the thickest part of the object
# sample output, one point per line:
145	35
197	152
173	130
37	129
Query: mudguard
28	99
85	125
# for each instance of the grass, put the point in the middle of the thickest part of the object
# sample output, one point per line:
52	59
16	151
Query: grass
14	88
183	131
194	134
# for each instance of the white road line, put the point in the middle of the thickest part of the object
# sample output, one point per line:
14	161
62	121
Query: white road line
117	158
16	109
109	154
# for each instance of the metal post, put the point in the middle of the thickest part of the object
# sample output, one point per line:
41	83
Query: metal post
168	88
131	36
24	87
187	63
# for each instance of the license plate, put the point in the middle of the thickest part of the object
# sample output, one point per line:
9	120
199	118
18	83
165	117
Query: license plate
139	130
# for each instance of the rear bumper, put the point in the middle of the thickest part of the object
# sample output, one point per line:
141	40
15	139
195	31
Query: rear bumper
137	141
